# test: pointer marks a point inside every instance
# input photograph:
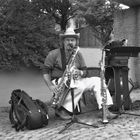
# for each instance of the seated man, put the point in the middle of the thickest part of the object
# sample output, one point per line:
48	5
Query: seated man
53	71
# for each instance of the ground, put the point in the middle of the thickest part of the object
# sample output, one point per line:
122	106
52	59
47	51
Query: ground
125	127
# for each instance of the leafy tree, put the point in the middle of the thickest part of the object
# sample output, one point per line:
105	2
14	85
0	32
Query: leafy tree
27	30
26	35
99	14
61	10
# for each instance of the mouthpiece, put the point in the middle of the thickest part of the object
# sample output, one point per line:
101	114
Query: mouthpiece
71	45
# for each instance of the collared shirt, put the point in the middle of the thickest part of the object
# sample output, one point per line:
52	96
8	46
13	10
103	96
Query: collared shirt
53	64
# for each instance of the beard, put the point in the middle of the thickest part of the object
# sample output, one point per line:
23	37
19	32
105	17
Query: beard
70	47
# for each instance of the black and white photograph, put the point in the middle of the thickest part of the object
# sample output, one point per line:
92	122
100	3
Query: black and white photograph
69	69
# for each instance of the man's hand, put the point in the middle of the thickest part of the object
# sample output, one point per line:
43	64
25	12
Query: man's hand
77	73
54	89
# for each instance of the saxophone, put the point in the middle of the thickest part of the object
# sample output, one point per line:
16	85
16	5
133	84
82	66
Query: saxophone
64	84
103	91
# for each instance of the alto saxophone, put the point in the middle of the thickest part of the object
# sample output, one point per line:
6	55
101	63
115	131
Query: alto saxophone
103	91
63	86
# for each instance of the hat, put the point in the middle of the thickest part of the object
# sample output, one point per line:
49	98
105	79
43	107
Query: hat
69	33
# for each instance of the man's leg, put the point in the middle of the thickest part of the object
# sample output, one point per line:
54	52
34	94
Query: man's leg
97	91
98	94
94	85
62	112
78	91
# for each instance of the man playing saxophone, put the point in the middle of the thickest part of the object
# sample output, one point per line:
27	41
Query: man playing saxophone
53	71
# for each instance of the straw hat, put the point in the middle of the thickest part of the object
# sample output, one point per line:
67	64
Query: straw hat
69	33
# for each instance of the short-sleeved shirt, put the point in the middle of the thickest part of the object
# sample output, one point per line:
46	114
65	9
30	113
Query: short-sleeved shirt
53	63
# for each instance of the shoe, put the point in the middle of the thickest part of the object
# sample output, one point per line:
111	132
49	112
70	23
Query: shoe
62	114
113	108
111	115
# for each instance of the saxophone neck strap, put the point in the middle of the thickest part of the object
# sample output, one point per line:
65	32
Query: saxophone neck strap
63	58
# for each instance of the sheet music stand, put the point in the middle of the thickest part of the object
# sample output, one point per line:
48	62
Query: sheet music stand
74	118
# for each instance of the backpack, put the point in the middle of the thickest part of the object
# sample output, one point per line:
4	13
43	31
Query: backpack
26	112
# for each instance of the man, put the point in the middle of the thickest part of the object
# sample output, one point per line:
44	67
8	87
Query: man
54	70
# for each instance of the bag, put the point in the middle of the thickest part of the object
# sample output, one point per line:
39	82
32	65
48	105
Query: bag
26	112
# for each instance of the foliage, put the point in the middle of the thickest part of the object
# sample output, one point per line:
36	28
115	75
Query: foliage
27	27
26	35
99	14
61	10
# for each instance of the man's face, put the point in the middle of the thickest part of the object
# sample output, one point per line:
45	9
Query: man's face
69	43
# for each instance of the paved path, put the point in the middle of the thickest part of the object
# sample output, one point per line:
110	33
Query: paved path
125	127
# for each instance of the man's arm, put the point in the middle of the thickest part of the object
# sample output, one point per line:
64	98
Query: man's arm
51	86
47	79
